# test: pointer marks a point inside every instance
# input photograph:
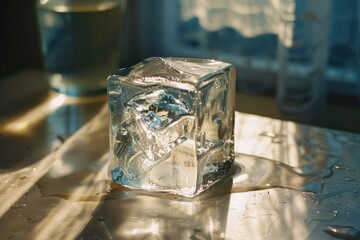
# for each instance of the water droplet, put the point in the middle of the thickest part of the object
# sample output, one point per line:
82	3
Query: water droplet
343	167
268	134
349	179
275	138
344	232
18	205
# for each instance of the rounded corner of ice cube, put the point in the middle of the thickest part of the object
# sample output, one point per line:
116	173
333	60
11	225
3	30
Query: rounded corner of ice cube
228	66
121	72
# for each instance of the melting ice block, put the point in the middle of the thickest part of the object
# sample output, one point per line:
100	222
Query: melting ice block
172	124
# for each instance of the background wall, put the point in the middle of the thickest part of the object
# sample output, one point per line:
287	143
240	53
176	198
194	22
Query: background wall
20	48
145	33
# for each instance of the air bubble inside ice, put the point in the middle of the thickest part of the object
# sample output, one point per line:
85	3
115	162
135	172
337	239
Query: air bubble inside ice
158	109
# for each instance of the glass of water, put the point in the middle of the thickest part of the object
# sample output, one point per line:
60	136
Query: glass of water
80	43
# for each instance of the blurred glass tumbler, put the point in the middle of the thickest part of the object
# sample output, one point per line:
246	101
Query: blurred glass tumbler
80	43
302	57
172	122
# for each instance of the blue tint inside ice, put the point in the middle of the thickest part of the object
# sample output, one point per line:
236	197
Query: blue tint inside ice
118	176
158	109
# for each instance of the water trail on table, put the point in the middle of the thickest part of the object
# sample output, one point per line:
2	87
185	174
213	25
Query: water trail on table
261	173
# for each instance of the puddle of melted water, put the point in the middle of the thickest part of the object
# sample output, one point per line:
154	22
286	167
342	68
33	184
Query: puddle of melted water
261	173
248	173
343	232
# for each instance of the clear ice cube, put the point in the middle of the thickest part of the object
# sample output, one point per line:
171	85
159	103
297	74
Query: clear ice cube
172	124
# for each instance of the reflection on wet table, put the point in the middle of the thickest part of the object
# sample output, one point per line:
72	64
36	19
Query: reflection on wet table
285	175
